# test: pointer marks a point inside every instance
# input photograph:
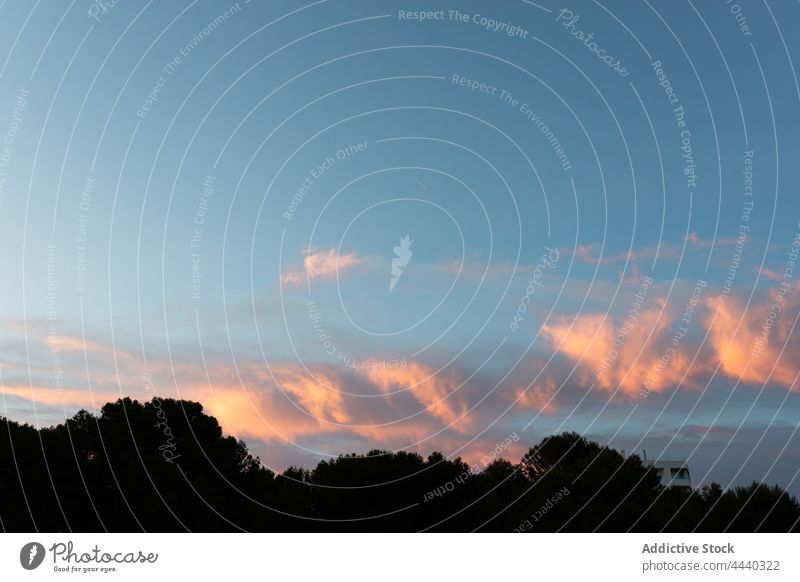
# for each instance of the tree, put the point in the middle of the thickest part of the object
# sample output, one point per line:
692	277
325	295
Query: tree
165	465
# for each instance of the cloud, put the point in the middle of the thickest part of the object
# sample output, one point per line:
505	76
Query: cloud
63	397
542	396
254	412
75	344
288	402
436	390
658	349
650	348
590	254
320	264
612	354
320	395
306	412
769	273
752	353
700	243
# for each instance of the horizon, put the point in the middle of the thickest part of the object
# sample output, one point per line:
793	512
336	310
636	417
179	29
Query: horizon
476	466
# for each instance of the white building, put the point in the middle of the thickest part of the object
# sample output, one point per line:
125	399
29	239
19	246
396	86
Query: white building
672	473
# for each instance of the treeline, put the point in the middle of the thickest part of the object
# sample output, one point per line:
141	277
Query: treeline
165	466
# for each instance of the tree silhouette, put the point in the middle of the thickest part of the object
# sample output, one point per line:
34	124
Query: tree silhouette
165	465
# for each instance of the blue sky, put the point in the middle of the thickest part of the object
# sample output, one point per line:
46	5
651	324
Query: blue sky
242	173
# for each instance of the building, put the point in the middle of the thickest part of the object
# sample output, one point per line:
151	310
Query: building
672	473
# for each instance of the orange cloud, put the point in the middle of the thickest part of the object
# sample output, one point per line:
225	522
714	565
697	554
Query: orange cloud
262	411
540	396
627	355
320	264
437	391
753	353
319	395
753	344
60	397
253	413
75	344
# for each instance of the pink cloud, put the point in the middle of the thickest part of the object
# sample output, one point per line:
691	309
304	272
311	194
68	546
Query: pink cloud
700	243
590	254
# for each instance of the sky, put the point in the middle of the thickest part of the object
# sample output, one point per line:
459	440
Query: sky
344	225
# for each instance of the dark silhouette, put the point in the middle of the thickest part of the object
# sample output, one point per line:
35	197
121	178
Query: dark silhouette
165	466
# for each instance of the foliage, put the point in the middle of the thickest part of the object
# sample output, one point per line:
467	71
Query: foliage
165	465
